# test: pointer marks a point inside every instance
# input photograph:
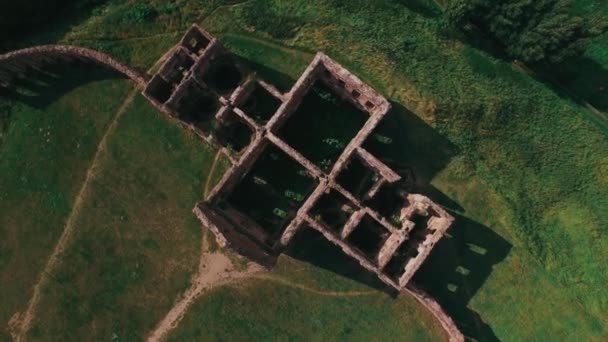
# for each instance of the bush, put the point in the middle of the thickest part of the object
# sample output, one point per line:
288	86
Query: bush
140	13
532	31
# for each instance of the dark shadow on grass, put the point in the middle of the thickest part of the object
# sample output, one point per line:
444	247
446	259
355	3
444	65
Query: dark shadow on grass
458	267
413	144
410	146
473	246
311	247
39	88
44	28
581	79
280	80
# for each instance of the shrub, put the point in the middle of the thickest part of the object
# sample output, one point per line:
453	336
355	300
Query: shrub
140	13
532	31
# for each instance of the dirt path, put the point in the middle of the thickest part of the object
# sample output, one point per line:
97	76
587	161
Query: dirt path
285	282
27	317
214	270
21	322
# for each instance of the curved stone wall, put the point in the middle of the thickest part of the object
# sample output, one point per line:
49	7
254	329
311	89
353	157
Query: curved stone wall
17	61
444	319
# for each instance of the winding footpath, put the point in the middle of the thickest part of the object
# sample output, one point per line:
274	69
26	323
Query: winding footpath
215	269
27	317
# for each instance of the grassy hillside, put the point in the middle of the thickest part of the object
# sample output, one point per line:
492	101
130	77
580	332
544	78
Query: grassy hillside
136	242
523	167
50	142
134	218
538	160
265	310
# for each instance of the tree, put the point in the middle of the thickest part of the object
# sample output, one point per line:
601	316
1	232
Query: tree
26	16
534	31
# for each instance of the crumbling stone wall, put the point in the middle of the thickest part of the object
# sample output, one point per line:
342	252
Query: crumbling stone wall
188	67
14	64
447	323
176	90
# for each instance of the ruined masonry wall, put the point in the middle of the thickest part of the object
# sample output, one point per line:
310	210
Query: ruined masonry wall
13	59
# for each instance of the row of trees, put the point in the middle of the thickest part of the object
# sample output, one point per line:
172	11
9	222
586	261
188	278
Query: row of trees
533	31
18	17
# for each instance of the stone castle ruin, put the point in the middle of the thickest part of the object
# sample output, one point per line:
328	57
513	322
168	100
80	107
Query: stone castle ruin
298	159
208	90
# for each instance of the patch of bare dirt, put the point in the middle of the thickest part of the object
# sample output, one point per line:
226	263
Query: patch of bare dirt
215	269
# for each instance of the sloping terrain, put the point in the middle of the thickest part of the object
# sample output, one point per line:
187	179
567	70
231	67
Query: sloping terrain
522	166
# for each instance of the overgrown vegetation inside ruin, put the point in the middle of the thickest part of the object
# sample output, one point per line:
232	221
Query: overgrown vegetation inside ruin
357	178
368	237
333	210
223	75
260	105
234	134
322	125
273	190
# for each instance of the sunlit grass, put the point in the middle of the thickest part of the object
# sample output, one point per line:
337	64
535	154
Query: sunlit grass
136	243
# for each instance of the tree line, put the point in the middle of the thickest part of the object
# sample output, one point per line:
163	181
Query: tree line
532	31
20	17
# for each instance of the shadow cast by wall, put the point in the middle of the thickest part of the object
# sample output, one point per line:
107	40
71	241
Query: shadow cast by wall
579	79
49	22
41	87
464	259
280	80
412	144
312	247
458	267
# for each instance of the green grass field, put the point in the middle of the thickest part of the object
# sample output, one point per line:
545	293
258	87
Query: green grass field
523	166
48	146
263	310
136	242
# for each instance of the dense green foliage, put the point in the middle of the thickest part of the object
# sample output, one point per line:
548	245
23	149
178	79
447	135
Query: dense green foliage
31	16
139	13
533	31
